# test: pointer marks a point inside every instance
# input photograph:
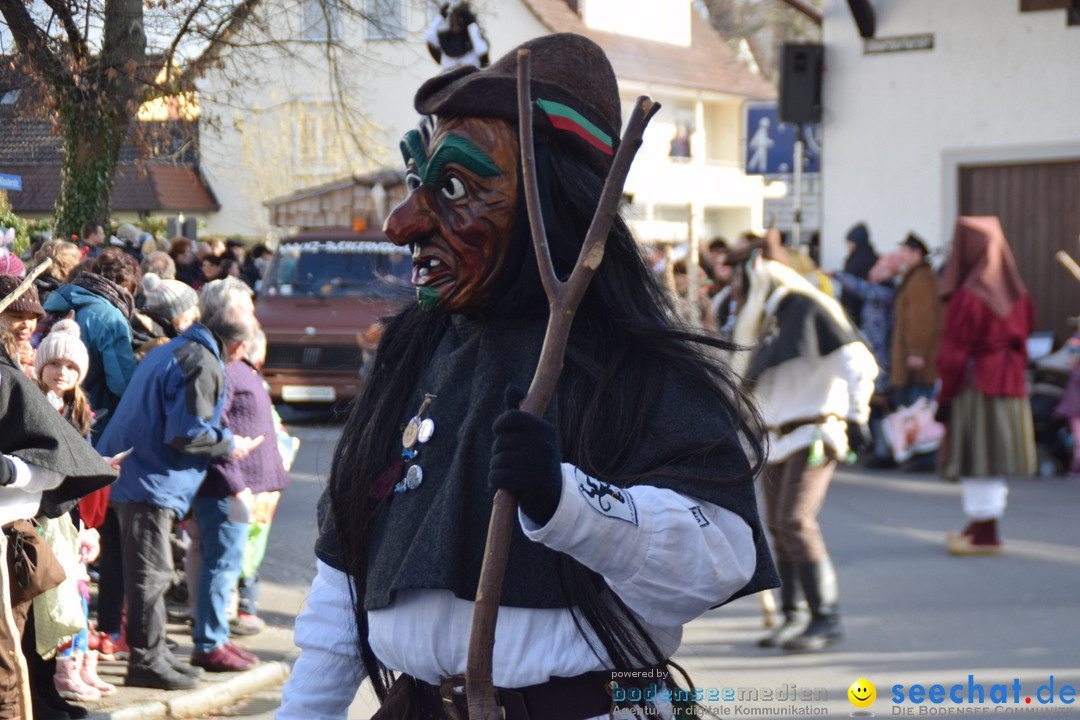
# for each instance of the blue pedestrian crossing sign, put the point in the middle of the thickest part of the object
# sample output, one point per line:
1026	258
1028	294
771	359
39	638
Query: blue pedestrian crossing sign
770	144
10	182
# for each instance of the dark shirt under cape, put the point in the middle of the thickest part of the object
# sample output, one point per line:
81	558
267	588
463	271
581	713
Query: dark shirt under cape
34	432
433	536
800	327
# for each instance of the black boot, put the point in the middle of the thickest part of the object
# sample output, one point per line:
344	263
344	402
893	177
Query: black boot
793	605
48	705
818	580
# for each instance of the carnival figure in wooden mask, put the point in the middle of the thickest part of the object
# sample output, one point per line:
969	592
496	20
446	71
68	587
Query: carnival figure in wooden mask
459	214
646	435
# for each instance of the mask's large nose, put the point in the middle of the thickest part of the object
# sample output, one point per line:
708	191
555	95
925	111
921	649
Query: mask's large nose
411	220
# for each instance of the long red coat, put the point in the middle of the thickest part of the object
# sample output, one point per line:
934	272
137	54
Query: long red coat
996	347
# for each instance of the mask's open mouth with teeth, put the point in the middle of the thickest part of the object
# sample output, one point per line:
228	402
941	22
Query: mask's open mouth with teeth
429	270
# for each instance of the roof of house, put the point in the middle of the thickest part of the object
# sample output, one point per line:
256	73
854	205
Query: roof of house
157	170
32	141
149	188
707	64
388	177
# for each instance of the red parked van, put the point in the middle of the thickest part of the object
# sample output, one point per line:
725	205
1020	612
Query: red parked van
320	298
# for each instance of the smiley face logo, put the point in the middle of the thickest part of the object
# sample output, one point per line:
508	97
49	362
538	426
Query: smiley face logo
862	693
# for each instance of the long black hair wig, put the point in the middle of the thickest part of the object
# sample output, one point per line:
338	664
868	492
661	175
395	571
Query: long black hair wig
622	343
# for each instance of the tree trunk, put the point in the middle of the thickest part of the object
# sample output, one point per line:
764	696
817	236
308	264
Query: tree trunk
92	143
97	104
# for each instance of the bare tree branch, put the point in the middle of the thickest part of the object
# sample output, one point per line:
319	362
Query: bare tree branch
31	41
75	38
184	31
765	26
226	29
806	9
95	70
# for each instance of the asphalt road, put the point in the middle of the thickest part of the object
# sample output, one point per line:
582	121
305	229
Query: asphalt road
914	615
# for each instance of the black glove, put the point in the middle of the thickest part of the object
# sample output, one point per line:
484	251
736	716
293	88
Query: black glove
859	438
525	460
7	472
943	413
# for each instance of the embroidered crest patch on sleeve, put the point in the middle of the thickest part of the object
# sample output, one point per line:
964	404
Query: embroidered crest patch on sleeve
699	516
607	500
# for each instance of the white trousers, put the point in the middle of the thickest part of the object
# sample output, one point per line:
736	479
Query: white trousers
984	498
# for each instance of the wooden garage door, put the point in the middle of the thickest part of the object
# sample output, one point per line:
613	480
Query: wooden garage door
1039	207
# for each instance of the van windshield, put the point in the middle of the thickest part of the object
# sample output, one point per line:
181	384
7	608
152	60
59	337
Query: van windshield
339	268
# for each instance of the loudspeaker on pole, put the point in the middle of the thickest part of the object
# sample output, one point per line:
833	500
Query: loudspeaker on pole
800	83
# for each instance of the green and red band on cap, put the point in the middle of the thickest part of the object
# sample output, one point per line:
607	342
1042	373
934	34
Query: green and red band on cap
567	118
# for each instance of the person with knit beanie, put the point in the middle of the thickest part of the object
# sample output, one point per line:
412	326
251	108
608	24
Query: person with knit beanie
62	362
170	300
102	298
18	322
166	308
9	261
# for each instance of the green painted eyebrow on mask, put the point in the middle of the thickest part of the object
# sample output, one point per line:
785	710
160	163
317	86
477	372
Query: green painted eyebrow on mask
453	149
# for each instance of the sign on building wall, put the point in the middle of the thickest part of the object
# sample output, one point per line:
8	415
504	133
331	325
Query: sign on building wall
780	212
10	182
902	43
770	144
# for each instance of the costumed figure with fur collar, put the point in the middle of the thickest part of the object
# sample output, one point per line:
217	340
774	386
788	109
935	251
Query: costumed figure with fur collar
637	510
812	377
45	468
455	38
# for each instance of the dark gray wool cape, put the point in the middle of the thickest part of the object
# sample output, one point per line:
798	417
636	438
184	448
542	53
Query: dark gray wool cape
31	430
433	536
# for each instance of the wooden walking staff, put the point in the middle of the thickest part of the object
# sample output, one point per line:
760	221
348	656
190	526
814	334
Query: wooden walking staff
1065	259
563	301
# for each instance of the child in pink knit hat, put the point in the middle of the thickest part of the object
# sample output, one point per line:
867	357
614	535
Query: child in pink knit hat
10	264
62	362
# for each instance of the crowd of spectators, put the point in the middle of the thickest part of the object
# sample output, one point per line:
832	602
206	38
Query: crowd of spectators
151	352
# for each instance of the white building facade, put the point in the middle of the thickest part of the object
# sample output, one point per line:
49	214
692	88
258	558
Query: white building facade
283	131
925	131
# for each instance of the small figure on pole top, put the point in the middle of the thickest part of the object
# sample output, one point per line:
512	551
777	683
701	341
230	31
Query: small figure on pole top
455	38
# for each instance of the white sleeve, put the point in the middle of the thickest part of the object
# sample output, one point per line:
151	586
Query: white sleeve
669	557
328	673
860	370
431	35
478	44
33	478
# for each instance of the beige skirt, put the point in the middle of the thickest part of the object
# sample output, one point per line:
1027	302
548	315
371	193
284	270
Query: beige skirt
989	436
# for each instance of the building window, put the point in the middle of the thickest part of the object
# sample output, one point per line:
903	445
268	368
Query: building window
684	128
680	143
315	140
322	20
384	20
